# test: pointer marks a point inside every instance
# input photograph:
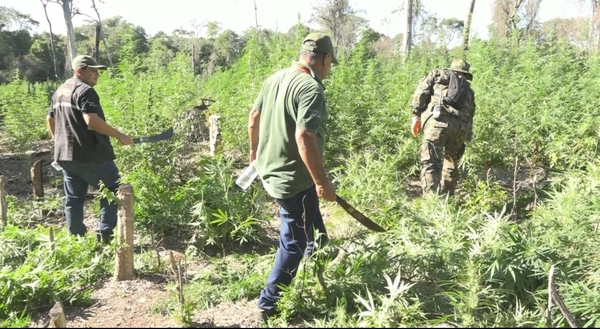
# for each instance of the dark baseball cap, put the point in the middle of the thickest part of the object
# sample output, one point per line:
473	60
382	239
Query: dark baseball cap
82	61
319	43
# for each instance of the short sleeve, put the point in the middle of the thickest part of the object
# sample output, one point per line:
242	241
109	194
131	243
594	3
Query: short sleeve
89	101
311	105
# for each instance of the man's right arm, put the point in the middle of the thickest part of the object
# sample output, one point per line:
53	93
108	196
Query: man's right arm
51	125
50	119
254	124
95	122
422	94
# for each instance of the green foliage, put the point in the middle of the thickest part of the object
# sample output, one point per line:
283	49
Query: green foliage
35	271
224	213
19	109
464	261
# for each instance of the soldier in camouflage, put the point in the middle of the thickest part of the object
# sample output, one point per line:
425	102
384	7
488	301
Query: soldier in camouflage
445	127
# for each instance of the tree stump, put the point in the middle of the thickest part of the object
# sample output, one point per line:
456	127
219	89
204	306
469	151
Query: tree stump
37	179
124	269
57	316
3	210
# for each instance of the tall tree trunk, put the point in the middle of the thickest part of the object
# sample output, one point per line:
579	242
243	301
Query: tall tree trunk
67	73
467	27
256	21
97	42
594	34
408	31
102	34
52	46
66	6
592	31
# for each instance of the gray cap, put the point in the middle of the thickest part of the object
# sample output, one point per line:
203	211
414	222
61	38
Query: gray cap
82	61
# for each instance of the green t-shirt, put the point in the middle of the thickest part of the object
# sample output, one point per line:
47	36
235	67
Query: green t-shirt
290	99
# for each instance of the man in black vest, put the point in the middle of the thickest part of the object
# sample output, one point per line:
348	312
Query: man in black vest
82	146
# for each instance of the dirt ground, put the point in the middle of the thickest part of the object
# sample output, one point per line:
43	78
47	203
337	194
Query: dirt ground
117	304
128	304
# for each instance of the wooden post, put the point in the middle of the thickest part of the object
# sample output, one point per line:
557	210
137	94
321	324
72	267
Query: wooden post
124	269
37	179
176	267
215	135
549	307
51	237
57	316
3	203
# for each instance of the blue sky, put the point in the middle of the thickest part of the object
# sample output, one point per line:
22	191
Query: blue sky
238	15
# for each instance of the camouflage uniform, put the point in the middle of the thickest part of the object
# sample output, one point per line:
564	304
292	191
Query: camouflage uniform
443	138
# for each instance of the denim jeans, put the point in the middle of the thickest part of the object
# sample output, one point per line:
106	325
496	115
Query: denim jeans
77	177
300	219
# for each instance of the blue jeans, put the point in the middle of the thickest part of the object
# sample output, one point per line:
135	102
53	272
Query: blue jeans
77	177
300	218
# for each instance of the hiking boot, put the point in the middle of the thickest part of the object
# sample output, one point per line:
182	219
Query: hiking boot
104	237
264	315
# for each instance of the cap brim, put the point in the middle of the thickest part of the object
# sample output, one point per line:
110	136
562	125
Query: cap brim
334	60
468	75
99	67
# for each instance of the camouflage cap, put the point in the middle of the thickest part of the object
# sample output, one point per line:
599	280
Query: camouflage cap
82	61
462	66
319	43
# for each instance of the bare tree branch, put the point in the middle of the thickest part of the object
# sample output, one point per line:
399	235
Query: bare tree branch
52	46
102	33
340	19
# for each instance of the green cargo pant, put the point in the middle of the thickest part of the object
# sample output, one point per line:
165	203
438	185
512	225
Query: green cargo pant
442	147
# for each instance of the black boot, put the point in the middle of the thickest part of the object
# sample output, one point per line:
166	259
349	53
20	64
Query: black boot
104	237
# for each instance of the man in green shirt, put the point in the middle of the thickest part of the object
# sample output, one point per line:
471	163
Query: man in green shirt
287	136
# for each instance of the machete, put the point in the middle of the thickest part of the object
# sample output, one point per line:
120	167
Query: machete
358	215
155	138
